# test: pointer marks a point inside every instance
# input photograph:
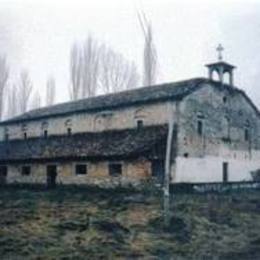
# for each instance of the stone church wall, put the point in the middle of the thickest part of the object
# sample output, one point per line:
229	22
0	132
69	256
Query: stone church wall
224	116
123	118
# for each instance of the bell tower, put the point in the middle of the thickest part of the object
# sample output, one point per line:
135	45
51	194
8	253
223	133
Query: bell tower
221	67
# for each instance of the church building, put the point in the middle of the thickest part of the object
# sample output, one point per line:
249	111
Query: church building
199	130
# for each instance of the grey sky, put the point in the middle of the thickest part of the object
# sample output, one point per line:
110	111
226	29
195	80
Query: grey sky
37	35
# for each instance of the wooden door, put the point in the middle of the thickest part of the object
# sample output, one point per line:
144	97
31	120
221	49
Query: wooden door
51	176
158	170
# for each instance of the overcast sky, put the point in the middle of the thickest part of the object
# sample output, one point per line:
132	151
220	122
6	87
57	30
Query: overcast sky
37	35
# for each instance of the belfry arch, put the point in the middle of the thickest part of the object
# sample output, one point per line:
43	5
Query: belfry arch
221	68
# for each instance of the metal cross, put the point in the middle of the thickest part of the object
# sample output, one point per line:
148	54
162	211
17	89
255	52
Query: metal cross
219	50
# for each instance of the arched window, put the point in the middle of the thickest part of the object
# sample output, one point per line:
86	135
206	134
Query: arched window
200	127
140	115
226	127
44	128
68	126
247	131
103	120
24	130
200	124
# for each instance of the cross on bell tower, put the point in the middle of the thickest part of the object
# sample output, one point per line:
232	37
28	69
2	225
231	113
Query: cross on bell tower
221	67
219	50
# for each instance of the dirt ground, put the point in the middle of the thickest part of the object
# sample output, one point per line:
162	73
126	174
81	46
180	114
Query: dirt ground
90	223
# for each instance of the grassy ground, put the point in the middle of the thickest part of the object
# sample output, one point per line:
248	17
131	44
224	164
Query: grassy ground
70	223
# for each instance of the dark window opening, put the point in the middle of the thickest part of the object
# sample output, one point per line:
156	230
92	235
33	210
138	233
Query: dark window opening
69	131
246	134
6	137
26	170
51	175
3	170
158	170
200	127
3	174
25	135
81	169
224	99
45	133
115	169
186	155
140	124
225	171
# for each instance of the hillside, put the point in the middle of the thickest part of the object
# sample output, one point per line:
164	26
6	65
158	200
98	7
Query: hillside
71	223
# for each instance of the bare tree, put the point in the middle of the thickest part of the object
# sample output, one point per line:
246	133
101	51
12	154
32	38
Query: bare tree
150	53
12	101
96	67
50	91
25	91
36	101
116	73
4	73
90	70
75	72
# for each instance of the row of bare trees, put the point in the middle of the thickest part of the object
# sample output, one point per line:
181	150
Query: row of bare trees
19	97
96	68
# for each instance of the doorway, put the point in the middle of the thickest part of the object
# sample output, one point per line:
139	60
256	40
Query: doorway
51	176
158	170
225	172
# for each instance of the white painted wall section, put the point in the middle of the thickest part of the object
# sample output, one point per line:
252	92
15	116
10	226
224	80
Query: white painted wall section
210	169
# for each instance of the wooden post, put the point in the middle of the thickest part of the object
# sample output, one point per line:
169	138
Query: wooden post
166	186
168	157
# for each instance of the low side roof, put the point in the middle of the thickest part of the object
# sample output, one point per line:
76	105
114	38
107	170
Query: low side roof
109	144
170	91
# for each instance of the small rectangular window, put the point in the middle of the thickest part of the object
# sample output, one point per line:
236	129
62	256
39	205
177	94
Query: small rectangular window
225	172
26	170
246	134
45	133
140	124
3	174
115	169
81	169
200	127
3	170
25	135
69	131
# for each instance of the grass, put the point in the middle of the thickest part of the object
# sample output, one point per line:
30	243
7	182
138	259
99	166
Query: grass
91	223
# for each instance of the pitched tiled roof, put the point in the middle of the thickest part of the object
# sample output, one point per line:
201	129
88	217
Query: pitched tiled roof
109	144
170	91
